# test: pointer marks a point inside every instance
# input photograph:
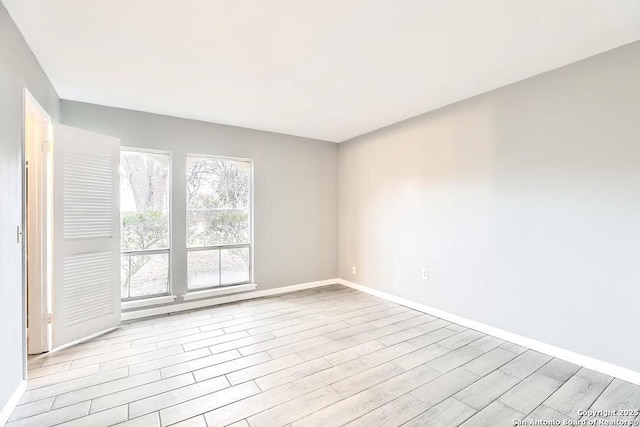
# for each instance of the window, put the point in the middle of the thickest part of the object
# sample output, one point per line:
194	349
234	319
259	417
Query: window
218	221
144	221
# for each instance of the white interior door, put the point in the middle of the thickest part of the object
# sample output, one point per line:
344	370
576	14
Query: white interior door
85	234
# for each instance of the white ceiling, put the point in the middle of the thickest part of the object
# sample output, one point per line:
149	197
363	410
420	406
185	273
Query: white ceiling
326	69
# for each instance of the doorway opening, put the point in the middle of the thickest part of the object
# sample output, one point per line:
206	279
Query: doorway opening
37	224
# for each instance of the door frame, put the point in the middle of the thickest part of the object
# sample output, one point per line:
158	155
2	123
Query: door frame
36	229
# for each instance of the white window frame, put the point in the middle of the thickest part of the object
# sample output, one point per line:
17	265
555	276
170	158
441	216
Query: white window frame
168	296
220	288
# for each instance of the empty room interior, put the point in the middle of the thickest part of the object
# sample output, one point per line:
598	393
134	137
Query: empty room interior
296	213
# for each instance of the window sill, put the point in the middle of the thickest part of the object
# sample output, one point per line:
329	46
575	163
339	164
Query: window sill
219	291
167	299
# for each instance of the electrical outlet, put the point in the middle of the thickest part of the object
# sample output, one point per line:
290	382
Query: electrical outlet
425	274
353	270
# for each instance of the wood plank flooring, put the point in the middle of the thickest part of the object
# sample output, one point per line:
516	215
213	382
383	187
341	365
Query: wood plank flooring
328	356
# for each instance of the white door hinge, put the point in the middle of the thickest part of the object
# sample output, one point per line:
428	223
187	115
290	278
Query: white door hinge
46	146
49	318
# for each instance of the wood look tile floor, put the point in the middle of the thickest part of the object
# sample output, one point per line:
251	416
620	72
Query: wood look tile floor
328	356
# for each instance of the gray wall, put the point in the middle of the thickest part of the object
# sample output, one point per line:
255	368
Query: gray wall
524	203
18	68
295	187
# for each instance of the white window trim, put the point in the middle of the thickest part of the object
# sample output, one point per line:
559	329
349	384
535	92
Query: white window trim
231	288
223	290
157	299
166	299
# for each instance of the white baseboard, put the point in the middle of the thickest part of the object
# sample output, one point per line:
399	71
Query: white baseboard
8	408
560	353
138	314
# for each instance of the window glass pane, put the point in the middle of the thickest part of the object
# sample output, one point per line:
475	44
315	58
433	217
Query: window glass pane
144	275
217	201
235	265
144	200
203	268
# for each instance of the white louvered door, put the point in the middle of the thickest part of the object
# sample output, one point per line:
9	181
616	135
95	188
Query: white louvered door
86	234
